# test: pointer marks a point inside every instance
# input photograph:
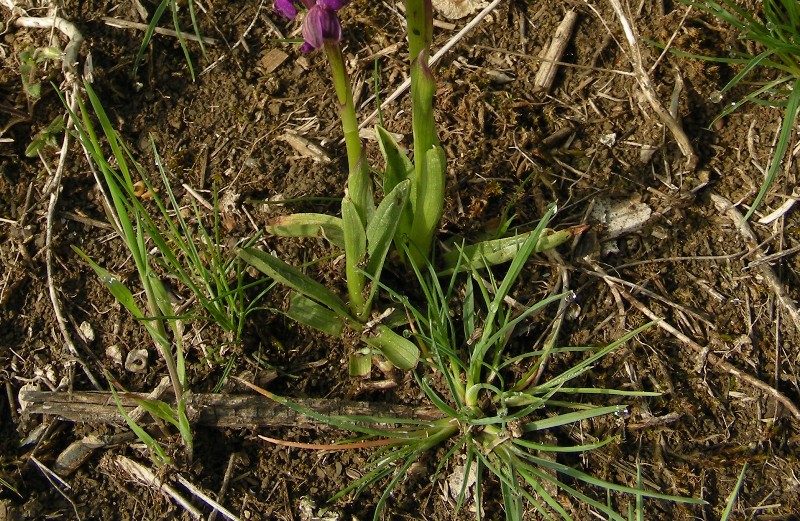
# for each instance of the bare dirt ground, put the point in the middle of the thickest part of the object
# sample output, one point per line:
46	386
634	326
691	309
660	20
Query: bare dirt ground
593	144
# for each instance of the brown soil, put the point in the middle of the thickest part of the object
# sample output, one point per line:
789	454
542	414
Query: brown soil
229	128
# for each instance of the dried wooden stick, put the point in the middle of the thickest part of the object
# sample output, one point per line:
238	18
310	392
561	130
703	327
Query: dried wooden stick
713	359
191	487
727	207
552	54
649	92
214	410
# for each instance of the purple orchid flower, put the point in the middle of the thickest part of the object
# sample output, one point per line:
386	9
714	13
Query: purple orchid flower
321	24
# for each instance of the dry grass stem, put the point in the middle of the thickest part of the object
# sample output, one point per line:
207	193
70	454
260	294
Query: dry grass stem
127	24
713	359
146	477
643	79
198	493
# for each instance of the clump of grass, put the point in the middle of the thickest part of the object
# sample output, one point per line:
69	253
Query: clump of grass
775	31
212	274
492	407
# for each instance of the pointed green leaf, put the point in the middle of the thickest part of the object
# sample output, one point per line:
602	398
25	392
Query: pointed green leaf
294	278
309	225
428	202
313	314
184	427
158	409
398	166
399	350
158	455
355	251
381	229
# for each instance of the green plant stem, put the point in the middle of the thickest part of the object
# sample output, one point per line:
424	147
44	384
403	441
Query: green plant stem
359	183
427	199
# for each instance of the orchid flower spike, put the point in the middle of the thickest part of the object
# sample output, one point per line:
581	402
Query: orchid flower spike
321	24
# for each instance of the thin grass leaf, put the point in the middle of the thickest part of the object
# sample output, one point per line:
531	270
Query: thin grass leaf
787	125
294	278
158	455
158	409
591	480
542	447
733	495
571	417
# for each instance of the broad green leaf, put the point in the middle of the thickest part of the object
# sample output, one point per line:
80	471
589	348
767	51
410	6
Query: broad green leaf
294	278
355	251
399	350
499	251
381	231
313	314
382	226
428	202
398	166
309	225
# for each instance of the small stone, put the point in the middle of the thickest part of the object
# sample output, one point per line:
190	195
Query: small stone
87	331
114	353
136	361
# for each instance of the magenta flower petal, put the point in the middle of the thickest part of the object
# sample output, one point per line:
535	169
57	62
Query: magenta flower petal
285	8
320	26
332	4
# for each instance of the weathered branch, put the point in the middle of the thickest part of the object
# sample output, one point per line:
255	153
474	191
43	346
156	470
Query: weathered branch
214	410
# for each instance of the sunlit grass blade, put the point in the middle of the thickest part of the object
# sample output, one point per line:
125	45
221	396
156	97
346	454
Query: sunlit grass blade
157	452
787	126
733	495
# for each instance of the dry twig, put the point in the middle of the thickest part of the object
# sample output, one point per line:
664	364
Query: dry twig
553	53
643	79
727	207
713	359
145	476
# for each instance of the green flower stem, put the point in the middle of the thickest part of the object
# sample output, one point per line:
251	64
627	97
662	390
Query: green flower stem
427	198
359	184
